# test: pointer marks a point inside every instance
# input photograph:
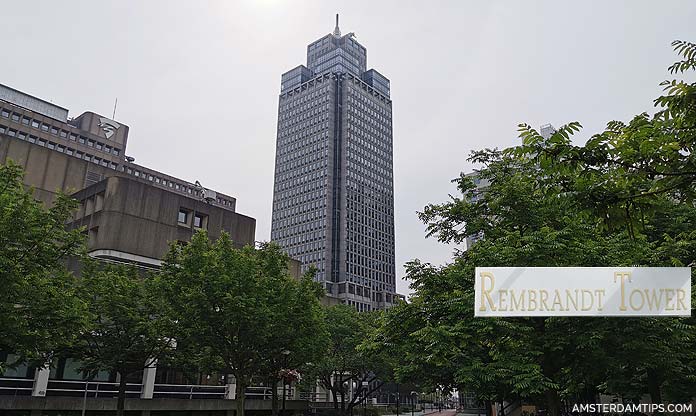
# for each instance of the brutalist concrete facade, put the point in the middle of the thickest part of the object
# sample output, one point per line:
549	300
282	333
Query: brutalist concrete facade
139	208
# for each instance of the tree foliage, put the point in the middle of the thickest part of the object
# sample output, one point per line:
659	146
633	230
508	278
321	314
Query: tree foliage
127	330
39	312
346	363
626	197
238	309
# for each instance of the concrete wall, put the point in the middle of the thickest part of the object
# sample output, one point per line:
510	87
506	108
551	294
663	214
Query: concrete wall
49	171
135	217
8	403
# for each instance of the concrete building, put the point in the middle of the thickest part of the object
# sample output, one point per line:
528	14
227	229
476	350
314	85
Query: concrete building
333	201
132	213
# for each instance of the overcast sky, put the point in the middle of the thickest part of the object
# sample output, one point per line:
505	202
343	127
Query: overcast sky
198	81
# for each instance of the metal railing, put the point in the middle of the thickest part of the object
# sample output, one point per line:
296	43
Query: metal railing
189	391
105	389
16	386
90	388
313	396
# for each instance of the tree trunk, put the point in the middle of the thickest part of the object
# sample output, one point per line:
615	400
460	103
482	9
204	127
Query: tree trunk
240	396
549	369
489	408
121	401
274	397
654	386
553	403
335	397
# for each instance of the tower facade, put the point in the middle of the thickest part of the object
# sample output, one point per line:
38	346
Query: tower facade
333	198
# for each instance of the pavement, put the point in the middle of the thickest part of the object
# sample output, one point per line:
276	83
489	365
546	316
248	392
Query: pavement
430	412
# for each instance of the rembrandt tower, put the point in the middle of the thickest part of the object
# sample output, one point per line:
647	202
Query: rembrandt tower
333	197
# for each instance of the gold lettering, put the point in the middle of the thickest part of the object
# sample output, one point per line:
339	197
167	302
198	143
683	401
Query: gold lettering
654	300
570	299
516	304
599	293
588	307
680	299
557	300
486	294
669	297
502	300
622	275
532	300
642	300
543	297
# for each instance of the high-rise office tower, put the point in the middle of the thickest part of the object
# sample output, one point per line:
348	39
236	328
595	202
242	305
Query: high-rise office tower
333	199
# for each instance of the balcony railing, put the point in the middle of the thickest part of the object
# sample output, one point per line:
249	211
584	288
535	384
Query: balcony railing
105	389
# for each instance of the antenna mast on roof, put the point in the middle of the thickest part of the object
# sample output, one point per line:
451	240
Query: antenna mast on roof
337	31
113	117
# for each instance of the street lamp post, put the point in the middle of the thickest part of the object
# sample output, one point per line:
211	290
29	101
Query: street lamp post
365	386
398	393
414	396
353	389
285	354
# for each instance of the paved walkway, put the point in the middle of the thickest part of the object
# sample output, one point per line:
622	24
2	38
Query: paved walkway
429	412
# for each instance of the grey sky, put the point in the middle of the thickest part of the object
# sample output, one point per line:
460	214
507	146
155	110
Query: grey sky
198	81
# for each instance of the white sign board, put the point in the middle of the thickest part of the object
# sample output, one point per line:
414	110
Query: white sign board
583	291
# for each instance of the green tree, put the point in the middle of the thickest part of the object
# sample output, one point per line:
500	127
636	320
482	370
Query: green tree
624	198
238	309
299	330
39	312
128	330
347	364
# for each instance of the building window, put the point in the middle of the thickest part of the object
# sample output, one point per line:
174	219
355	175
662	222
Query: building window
184	215
200	221
44	127
5	113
